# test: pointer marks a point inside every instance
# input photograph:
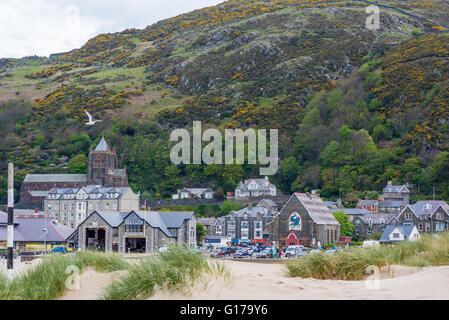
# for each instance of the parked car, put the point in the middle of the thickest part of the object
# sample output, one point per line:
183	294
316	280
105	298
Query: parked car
241	253
370	243
294	251
59	250
316	251
227	250
264	254
216	253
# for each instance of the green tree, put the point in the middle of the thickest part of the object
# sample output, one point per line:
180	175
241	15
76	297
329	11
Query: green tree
200	233
346	226
78	164
229	206
289	171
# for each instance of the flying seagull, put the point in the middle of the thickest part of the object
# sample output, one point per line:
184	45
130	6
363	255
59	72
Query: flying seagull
91	121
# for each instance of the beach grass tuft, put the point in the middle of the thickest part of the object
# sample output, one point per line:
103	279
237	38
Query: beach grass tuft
352	263
47	280
175	270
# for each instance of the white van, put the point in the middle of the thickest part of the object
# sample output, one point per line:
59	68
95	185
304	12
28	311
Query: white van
294	251
370	243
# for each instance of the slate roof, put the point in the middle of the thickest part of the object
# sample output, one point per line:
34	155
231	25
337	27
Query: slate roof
38	193
270	202
90	190
30	229
405	230
175	219
352	211
376	218
243	185
206	221
197	191
368	203
394	188
428	207
391	204
161	220
251	212
316	208
82	178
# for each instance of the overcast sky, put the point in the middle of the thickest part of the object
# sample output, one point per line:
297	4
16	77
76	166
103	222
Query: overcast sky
42	27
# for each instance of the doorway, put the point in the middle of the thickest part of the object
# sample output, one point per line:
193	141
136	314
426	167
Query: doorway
135	245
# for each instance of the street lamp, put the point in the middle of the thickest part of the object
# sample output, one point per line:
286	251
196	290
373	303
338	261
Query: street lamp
45	231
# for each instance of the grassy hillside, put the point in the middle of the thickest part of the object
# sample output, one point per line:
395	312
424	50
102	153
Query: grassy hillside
355	108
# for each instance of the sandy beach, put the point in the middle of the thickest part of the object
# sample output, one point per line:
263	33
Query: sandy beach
269	281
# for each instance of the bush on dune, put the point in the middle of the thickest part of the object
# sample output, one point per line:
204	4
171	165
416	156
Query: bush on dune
175	270
48	279
351	264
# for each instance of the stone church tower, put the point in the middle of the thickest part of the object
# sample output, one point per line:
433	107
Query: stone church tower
102	167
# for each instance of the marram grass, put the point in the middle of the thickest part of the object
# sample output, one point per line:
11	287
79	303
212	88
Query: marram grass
350	264
175	270
47	280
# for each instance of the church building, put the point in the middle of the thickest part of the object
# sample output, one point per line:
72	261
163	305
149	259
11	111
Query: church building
102	169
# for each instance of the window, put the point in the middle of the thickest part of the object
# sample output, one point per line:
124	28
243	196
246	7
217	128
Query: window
90	206
427	227
231	224
79	216
218	229
245	224
396	235
133	228
231	233
408	216
114	206
49	206
107	205
65	206
98	206
257	225
56	206
72	206
420	227
79	205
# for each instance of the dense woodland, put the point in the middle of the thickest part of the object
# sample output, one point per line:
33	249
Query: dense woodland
355	108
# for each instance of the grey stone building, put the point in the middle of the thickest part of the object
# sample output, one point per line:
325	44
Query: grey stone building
102	169
247	224
255	188
429	216
305	219
136	231
70	206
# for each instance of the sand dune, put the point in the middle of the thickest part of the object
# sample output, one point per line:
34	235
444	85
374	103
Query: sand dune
269	281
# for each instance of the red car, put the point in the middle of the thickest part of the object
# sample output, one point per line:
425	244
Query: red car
217	253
